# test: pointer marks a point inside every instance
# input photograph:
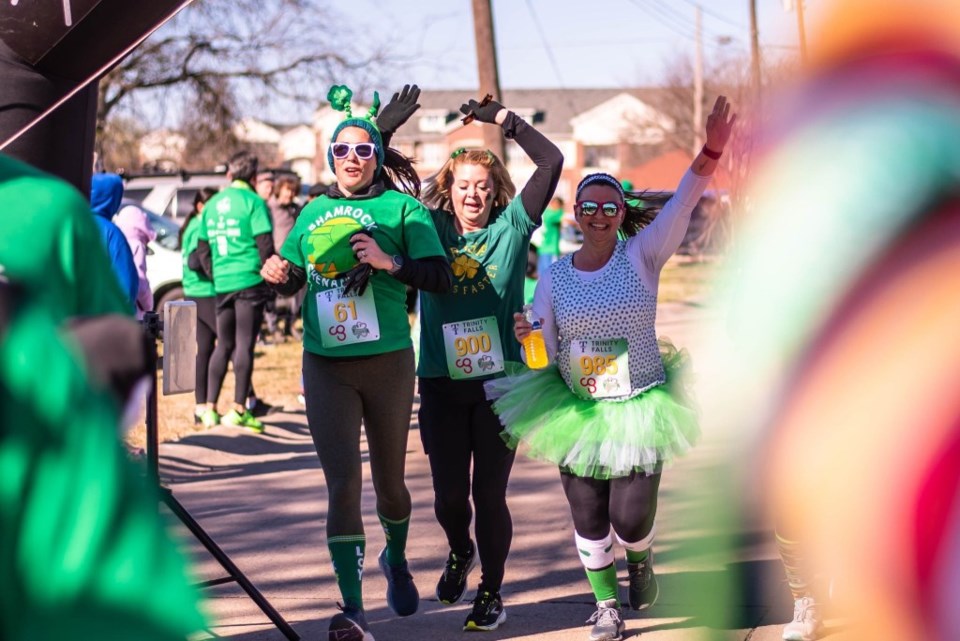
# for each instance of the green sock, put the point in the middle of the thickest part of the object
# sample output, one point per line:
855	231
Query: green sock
604	583
637	557
396	533
347	554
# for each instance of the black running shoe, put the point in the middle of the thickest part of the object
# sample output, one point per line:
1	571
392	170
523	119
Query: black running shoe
487	613
402	595
261	408
349	625
644	589
453	581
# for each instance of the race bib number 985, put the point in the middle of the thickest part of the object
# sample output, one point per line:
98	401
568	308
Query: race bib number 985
599	367
473	348
345	320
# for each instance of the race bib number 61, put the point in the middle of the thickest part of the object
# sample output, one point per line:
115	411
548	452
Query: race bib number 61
473	348
599	367
345	320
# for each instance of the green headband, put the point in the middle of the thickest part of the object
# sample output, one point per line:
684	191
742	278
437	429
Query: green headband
339	97
462	150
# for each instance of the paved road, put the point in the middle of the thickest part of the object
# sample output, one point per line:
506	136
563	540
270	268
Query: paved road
263	500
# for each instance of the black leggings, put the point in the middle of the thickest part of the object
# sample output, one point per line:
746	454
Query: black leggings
340	393
238	322
457	425
206	339
628	503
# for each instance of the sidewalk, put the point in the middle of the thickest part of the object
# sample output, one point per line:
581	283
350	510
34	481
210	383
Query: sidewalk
262	498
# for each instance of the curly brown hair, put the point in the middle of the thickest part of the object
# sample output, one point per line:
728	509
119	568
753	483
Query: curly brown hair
436	195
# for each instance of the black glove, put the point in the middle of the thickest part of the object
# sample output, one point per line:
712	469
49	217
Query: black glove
398	111
356	280
486	113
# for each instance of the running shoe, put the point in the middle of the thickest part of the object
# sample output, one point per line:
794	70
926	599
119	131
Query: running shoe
260	408
402	595
349	625
644	589
607	622
487	613
806	624
453	581
245	420
210	418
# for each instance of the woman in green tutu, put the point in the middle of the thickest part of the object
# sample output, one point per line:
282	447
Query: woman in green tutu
608	410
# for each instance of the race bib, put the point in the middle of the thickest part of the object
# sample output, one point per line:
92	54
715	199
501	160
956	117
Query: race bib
345	320
599	367
473	348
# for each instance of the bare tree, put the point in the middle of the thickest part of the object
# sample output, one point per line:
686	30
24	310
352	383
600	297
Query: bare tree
221	57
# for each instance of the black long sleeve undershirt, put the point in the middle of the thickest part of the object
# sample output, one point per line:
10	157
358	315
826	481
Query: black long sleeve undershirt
201	260
430	274
538	191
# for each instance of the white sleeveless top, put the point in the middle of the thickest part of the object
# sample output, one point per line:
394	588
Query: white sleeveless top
616	304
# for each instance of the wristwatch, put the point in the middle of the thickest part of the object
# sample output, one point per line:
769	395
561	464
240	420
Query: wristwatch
397	264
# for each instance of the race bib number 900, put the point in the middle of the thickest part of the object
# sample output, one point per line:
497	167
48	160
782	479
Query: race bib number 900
345	320
473	348
599	367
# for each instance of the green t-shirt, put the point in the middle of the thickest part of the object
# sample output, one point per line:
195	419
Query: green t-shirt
489	267
51	246
375	323
84	553
551	232
231	221
529	289
195	284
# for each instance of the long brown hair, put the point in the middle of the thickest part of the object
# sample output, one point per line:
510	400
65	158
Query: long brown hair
436	195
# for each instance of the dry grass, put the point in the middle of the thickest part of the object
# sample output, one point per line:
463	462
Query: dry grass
276	379
683	280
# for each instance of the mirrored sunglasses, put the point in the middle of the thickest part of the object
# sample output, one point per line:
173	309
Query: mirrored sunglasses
590	208
364	150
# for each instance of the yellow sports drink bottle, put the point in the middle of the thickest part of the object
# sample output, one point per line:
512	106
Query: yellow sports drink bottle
533	345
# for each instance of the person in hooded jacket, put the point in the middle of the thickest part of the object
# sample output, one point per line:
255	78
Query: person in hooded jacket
106	191
133	222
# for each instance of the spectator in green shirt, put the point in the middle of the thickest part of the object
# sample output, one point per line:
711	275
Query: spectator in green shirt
549	250
234	242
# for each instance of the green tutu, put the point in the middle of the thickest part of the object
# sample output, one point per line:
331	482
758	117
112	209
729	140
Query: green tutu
598	439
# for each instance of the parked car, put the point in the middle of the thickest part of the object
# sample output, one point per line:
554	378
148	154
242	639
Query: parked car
164	263
170	195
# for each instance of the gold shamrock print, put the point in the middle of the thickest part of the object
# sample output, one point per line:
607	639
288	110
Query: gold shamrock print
463	265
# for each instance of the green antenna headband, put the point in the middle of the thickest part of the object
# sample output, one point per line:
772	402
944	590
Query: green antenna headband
339	97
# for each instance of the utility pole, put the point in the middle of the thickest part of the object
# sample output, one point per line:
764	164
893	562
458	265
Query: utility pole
755	53
487	70
802	31
698	85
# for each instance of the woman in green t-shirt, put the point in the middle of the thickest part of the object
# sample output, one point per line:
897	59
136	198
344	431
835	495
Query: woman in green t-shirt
466	338
198	288
356	247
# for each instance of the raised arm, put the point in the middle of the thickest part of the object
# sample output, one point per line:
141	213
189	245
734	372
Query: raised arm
536	194
661	238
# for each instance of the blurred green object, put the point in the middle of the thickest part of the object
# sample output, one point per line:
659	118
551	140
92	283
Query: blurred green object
83	551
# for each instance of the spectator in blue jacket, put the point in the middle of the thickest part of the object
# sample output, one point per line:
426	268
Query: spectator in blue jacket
106	191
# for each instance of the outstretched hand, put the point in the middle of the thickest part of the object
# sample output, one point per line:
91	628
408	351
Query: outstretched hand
719	125
485	111
402	105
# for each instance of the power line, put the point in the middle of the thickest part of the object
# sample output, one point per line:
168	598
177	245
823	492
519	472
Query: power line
546	45
715	15
680	30
682	17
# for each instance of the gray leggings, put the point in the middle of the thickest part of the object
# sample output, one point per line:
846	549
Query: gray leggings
341	392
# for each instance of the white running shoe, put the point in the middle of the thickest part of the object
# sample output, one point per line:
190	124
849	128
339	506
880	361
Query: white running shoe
806	624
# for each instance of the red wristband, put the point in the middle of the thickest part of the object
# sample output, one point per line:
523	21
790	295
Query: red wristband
710	153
